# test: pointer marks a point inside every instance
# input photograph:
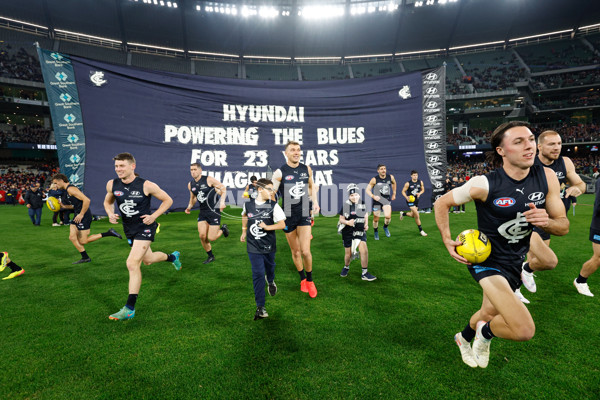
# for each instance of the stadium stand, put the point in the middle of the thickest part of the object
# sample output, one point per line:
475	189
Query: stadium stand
557	55
163	63
566	79
492	70
216	69
366	70
24	134
23	175
321	72
269	72
94	52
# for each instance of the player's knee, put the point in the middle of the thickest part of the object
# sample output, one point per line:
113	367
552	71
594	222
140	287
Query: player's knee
83	240
524	332
203	237
296	253
73	238
133	265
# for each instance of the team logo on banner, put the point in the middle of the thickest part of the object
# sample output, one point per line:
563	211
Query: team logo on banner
97	78
404	92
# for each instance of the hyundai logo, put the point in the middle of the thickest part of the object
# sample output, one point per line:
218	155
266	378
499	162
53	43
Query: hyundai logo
431	76
431	118
434	159
431	90
432	145
536	196
431	104
432	132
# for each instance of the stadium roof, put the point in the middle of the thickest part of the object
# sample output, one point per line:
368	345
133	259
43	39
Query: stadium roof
365	28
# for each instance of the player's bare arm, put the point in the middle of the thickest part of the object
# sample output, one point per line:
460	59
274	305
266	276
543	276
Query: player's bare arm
276	179
312	189
109	204
394	186
553	218
476	189
78	194
152	189
369	189
422	190
404	189
577	186
192	200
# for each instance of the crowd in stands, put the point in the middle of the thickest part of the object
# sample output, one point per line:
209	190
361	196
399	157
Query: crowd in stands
560	56
567	79
19	64
20	178
24	134
574	100
496	78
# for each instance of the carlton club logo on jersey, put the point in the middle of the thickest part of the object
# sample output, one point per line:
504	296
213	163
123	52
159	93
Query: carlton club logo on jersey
297	191
515	229
289	177
118	193
127	208
201	198
504	202
256	231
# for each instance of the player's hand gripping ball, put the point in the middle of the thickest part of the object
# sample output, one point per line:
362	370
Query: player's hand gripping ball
53	204
475	246
411	199
246	195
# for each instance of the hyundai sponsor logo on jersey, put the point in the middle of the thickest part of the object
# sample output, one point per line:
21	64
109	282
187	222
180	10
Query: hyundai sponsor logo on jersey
504	202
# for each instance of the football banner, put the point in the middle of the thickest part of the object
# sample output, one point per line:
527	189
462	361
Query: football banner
65	111
236	128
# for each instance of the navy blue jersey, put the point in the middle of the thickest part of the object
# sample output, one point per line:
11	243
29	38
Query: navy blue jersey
258	240
383	186
596	215
252	191
414	188
354	211
294	190
74	201
501	218
131	200
560	169
207	196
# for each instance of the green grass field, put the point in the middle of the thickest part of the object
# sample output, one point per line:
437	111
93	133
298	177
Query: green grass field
193	336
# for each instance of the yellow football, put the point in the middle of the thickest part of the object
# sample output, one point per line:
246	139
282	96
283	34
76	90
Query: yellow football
411	199
246	195
53	204
475	246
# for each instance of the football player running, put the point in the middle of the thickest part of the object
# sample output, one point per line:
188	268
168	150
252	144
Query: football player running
506	214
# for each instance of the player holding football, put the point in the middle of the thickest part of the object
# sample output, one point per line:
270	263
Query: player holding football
510	201
540	256
251	191
205	189
355	219
414	188
81	223
294	181
133	195
382	189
